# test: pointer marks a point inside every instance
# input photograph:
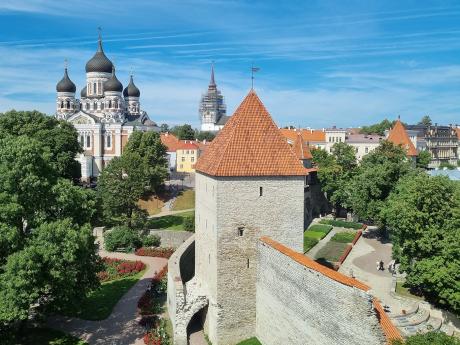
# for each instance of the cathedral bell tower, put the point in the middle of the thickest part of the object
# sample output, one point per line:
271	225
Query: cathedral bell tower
66	103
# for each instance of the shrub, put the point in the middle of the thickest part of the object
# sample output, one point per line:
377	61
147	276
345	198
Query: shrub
121	237
430	338
151	241
155	252
309	243
344	237
342	224
189	223
320	228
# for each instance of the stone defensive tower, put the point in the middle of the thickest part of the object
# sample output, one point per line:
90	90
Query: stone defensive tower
248	184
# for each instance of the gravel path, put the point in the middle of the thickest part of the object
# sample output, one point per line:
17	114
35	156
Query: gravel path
121	327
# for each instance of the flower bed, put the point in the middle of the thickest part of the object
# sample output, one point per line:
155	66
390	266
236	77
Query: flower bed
149	307
117	268
155	252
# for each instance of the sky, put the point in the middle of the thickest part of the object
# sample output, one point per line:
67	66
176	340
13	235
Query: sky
322	63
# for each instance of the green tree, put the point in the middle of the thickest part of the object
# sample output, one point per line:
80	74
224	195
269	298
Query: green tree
423	216
203	135
423	159
122	182
184	132
378	128
164	128
375	179
59	137
57	267
152	152
431	338
426	120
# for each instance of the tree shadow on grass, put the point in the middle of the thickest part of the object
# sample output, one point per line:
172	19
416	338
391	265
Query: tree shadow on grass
326	263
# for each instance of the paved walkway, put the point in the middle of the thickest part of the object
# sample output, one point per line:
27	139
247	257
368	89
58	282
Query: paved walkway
122	326
168	213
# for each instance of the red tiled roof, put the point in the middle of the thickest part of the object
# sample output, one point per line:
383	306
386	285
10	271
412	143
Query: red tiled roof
301	149
250	144
187	145
307	134
307	262
458	132
390	330
170	141
398	136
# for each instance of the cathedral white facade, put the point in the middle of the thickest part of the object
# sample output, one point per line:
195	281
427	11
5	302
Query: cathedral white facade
212	108
104	116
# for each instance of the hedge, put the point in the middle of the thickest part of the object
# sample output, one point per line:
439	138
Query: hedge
342	224
121	237
320	228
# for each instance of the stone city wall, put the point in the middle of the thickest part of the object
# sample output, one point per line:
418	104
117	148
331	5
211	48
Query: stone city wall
297	305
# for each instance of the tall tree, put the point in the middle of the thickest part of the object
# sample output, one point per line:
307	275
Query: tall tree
423	216
59	137
375	179
378	128
152	152
203	135
426	120
164	127
423	159
184	132
121	184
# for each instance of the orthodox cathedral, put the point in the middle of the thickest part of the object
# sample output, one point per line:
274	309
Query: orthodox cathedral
212	108
104	116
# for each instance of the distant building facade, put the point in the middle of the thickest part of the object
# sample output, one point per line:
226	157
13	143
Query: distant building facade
363	143
104	116
212	108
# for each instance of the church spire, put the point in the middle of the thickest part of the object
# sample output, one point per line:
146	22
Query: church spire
212	82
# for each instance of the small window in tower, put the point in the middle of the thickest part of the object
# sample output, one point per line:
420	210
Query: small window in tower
109	141
68	104
102	106
94	88
240	231
110	104
261	192
247	263
99	90
62	104
88	141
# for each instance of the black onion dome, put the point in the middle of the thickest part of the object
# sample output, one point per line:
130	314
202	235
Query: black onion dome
113	84
66	85
83	93
131	90
99	62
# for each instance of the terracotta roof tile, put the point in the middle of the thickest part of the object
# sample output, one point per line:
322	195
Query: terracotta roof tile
390	330
307	262
170	141
301	149
398	136
187	145
250	144
307	134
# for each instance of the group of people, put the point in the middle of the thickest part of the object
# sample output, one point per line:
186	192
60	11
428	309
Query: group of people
391	266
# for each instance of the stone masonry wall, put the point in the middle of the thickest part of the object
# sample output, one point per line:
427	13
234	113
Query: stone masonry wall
297	305
171	239
243	216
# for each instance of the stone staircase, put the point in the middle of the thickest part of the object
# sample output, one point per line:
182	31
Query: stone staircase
418	320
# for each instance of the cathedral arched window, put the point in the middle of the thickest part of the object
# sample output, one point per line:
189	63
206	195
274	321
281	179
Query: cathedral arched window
62	104
108	140
68	104
88	141
102	106
99	89
110	103
95	105
95	89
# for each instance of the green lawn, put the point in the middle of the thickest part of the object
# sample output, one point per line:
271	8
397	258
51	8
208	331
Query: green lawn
172	222
405	292
185	200
309	243
320	228
47	336
331	252
342	223
318	235
99	304
251	341
344	237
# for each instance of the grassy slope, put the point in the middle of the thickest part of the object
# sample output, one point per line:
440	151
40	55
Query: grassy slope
251	341
99	304
172	222
47	336
185	200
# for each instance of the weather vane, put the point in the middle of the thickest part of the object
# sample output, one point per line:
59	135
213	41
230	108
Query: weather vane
253	70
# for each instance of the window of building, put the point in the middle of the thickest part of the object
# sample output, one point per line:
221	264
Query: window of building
82	140
108	141
67	104
62	104
110	103
247	263
192	159
240	231
366	150
89	88
102	106
183	159
99	90
182	166
187	152
94	88
88	141
261	191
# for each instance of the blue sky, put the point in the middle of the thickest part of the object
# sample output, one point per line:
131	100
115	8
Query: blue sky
322	63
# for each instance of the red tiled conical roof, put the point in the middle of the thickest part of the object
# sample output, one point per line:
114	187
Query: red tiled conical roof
301	149
250	144
398	136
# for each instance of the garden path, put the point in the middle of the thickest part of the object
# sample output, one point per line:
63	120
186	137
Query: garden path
122	326
168	213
